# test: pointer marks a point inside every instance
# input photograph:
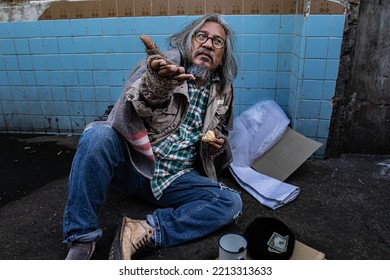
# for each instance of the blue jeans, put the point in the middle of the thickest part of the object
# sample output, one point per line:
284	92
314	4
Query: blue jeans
190	208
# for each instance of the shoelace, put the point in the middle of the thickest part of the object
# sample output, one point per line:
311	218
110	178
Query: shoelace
143	240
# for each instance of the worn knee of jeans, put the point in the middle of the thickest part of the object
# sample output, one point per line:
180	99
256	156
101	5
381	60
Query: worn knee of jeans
101	140
99	134
234	201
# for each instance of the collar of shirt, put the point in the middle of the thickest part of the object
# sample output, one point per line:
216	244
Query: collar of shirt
214	78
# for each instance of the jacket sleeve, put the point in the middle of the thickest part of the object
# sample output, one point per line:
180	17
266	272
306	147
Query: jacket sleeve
223	157
226	118
155	89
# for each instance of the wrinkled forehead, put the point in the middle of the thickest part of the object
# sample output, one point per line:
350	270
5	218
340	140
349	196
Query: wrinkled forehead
213	29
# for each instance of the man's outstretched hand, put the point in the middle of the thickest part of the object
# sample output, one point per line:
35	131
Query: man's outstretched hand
162	66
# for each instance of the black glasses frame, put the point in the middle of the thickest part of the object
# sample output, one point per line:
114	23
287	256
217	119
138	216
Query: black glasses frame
213	40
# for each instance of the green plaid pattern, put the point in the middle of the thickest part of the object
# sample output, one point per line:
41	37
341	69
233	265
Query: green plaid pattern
176	154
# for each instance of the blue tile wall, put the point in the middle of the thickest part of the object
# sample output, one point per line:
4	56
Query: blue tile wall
56	76
314	68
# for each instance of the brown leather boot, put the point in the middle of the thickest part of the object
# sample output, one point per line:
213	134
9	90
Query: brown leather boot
131	236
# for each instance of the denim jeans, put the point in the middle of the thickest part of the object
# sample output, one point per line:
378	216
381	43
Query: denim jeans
190	208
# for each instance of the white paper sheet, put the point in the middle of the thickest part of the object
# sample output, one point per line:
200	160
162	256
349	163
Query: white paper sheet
267	190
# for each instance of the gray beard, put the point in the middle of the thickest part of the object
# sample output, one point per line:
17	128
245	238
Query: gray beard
199	71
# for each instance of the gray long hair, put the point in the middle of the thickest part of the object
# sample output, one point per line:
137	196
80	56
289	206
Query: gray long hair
183	42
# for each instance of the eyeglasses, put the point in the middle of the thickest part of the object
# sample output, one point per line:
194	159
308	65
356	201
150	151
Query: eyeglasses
202	38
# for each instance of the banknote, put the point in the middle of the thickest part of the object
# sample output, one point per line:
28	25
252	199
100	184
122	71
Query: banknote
278	242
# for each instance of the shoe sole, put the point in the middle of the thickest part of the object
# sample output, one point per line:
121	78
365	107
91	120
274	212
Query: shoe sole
115	250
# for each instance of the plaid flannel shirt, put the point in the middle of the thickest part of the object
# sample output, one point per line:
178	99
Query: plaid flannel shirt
177	153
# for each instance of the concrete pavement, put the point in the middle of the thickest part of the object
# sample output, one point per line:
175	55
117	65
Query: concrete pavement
342	209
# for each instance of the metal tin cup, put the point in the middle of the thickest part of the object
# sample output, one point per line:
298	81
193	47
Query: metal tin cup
232	246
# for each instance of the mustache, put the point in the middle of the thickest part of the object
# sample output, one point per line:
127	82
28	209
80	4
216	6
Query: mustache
206	53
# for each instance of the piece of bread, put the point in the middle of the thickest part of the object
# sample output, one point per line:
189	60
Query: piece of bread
209	136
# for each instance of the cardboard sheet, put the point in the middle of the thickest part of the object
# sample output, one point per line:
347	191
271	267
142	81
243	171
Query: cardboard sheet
303	252
286	155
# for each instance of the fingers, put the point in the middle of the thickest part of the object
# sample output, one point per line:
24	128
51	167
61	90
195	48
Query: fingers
218	142
172	71
215	145
147	42
164	69
184	77
212	147
158	64
151	48
161	65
